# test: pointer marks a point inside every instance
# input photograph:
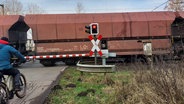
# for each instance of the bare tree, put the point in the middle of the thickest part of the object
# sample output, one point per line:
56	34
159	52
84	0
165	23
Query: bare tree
2	9
175	5
34	9
79	7
13	7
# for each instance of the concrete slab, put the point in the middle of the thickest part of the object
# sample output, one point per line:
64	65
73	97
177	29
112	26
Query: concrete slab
40	80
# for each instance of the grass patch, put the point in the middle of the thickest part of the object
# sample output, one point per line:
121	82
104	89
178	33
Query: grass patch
90	88
131	84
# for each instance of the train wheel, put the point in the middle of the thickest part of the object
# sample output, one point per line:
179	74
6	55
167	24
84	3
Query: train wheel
71	62
48	62
181	55
141	60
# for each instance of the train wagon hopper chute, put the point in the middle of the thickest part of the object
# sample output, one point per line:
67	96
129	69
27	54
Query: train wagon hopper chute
177	29
20	36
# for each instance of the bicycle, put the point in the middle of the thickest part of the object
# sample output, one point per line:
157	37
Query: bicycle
7	88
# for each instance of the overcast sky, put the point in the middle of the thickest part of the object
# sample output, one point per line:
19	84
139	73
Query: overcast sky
95	6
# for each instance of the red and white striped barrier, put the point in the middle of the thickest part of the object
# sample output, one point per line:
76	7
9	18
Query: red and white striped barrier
95	45
56	56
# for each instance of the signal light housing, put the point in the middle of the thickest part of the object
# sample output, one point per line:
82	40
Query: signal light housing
92	29
88	30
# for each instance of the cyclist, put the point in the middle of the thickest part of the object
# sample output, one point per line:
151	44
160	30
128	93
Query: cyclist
6	51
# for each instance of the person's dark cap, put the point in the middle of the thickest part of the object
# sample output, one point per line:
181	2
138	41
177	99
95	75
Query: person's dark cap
5	39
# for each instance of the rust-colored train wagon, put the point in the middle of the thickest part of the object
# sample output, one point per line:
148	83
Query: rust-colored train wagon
123	33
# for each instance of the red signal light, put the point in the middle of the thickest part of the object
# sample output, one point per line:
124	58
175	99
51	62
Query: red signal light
94	26
94	30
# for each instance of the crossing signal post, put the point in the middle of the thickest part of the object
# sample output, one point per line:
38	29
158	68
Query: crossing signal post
95	38
93	30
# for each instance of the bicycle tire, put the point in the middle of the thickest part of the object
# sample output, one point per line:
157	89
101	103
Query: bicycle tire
4	93
23	84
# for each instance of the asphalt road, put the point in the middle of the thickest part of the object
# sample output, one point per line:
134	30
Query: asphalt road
40	80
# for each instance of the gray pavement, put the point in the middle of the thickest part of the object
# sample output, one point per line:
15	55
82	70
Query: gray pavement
39	81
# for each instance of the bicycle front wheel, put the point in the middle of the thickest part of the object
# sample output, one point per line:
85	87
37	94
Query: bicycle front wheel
23	85
4	94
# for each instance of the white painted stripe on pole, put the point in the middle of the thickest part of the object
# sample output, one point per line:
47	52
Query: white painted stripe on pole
57	56
37	56
31	57
64	55
83	54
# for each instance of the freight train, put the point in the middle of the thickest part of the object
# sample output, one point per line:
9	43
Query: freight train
64	37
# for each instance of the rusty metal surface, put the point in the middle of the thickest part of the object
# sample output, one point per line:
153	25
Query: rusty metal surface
121	25
105	24
124	45
160	23
71	26
129	47
117	46
6	22
32	22
81	20
181	14
139	24
112	25
69	47
161	43
46	27
66	26
151	23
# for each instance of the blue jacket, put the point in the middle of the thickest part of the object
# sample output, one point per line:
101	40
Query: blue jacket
5	55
